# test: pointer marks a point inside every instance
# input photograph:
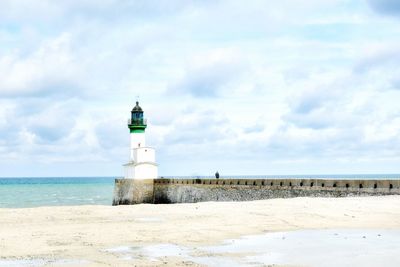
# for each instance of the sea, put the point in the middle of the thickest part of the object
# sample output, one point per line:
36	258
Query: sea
28	192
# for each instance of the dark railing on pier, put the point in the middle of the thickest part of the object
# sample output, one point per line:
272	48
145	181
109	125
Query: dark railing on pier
305	176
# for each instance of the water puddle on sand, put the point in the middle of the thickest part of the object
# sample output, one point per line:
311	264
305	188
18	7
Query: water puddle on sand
152	252
334	247
119	250
40	262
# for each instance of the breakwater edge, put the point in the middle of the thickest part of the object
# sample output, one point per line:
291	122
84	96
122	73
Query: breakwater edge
170	190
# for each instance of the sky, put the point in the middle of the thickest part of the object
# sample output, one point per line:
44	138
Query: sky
242	87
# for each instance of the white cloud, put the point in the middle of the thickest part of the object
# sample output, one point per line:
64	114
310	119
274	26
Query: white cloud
49	70
215	74
245	87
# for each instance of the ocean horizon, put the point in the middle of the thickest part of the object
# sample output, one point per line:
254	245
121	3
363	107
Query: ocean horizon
29	192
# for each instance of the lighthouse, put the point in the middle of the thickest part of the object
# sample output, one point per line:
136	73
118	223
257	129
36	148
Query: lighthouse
142	160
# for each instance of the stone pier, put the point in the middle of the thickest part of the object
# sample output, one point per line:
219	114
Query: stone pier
130	191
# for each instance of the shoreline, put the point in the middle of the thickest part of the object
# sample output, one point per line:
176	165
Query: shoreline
85	232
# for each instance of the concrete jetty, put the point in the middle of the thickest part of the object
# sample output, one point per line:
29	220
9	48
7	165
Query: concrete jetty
162	190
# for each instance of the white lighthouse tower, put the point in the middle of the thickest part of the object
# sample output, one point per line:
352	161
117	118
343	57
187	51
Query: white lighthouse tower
142	162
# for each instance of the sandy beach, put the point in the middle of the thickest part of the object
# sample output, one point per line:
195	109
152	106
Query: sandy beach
105	235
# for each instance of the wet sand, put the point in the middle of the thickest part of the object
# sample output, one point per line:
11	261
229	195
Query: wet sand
109	236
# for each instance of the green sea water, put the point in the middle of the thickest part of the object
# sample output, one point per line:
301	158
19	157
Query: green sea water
72	191
57	191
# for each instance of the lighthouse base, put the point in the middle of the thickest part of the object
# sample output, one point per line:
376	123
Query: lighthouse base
133	191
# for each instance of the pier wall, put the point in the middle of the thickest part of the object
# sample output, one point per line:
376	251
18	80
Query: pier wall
133	191
197	190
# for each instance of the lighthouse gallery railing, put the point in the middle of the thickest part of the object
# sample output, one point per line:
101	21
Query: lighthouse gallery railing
137	121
